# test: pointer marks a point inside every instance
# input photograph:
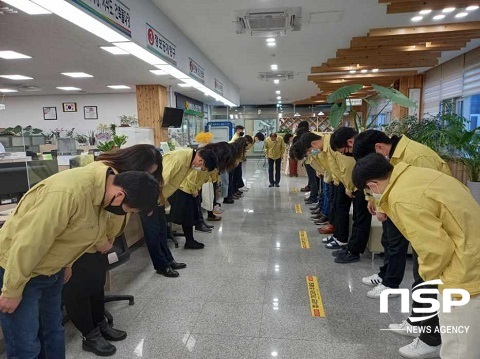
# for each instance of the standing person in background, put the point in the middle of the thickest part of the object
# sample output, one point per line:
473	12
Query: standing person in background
239	132
274	149
292	163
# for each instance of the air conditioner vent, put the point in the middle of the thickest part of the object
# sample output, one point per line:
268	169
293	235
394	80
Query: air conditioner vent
268	22
29	88
275	75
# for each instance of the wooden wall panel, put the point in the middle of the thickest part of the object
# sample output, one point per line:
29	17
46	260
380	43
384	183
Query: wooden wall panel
151	101
407	83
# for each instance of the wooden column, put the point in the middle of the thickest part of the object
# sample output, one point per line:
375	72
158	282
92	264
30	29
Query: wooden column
407	83
151	101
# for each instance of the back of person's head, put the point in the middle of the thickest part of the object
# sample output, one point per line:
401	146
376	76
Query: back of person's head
141	189
300	132
242	147
340	137
260	136
239	127
224	154
209	158
365	142
273	136
308	138
373	166
287	138
303	124
249	139
297	151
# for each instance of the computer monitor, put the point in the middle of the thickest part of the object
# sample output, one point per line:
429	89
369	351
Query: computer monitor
13	179
172	117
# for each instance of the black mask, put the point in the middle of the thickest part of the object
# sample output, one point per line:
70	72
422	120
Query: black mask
241	133
348	154
118	210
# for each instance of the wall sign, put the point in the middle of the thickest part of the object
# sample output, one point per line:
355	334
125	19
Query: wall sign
160	45
197	71
218	86
49	113
113	12
191	106
90	113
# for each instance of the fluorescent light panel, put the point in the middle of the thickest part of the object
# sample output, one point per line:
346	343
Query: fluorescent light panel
27	6
5	90
461	15
69	88
76	75
16	77
173	71
271	44
276	81
417	18
425	12
158	72
81	19
472	8
278	92
114	50
184	85
274	67
118	87
140	52
448	10
352	71
13	55
439	17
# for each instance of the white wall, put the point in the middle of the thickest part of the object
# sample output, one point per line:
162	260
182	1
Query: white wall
28	110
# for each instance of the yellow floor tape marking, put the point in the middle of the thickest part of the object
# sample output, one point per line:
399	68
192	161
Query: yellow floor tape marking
294	190
298	209
304	243
316	304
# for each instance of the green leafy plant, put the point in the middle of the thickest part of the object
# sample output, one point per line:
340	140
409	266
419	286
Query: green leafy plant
126	121
19	131
340	97
119	141
106	146
81	138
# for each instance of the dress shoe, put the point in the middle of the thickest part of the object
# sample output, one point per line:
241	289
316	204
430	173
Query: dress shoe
323	219
340	252
168	272
202	228
175	265
214	218
235	197
277	185
208	225
321	222
194	245
228	200
310	202
305	189
316	211
111	334
94	342
349	257
316	217
239	193
270	185
328	229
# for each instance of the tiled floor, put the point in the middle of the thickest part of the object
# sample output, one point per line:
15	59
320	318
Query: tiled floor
222	305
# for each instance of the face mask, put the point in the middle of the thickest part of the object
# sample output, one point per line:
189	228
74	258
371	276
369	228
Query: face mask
377	195
315	152
241	133
118	210
348	154
198	169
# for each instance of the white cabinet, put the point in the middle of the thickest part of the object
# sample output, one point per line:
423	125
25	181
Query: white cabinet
136	135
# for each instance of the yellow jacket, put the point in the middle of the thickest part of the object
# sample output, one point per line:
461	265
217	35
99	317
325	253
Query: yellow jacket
56	221
195	180
328	159
274	149
235	137
176	167
346	165
439	217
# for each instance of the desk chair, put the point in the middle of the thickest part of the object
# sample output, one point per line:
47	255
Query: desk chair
120	247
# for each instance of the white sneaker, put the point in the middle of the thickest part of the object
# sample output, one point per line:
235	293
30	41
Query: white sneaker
375	292
307	194
328	239
404	328
244	189
373	280
418	349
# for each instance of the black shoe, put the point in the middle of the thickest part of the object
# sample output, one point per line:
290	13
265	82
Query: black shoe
94	342
110	333
314	207
239	193
270	185
228	200
348	258
320	222
175	265
194	245
340	252
208	225
316	211
316	217
168	272
202	228
277	185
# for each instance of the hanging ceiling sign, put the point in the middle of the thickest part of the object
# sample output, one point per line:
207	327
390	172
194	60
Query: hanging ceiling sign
112	12
197	71
218	86
160	45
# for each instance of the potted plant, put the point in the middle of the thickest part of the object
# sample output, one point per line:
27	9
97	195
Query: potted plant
128	121
91	138
81	139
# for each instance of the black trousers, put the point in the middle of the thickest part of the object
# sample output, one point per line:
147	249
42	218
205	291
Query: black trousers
362	222
331	203
277	163
84	295
342	214
237	178
428	336
231	183
313	182
395	260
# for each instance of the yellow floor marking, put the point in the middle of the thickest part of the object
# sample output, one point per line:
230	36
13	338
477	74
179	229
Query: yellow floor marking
316	304
294	190
298	209
304	243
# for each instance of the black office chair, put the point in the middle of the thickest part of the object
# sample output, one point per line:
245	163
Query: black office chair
120	247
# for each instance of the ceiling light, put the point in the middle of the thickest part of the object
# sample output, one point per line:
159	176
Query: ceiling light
278	92
5	90
297	115
439	17
353	71
271	44
118	87
76	74
69	88
13	55
271	39
321	113
461	15
186	85
375	70
425	12
81	19
280	114
158	72
173	71
448	10
274	67
279	97
472	8
27	6
276	81
417	18
114	50
16	77
140	52
364	71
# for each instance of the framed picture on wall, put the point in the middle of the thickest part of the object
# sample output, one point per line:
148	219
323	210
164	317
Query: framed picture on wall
69	107
49	113
90	113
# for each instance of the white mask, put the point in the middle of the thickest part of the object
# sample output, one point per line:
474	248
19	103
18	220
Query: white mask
198	169
376	195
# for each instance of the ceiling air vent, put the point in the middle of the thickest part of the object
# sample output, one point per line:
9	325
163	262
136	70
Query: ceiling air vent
275	75
29	88
268	22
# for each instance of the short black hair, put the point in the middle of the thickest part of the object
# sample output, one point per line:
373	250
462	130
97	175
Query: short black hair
260	136
287	137
366	141
141	189
340	137
299	133
371	167
297	150
239	127
303	124
209	158
248	138
223	152
308	138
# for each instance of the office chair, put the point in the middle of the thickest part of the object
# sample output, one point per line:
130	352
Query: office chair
120	247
